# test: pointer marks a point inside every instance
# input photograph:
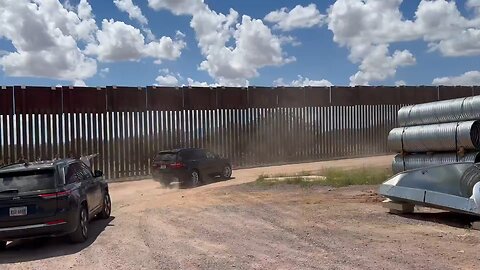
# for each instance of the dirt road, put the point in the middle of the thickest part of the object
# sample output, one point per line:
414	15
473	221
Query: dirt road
236	225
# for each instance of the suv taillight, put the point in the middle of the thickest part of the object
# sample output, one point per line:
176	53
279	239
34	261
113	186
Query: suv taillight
176	165
55	195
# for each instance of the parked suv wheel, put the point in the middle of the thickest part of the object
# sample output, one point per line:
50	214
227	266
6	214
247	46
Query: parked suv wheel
81	234
107	207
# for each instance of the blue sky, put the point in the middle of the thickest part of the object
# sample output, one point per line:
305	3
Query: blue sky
321	53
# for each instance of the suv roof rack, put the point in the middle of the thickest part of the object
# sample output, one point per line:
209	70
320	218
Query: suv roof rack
15	163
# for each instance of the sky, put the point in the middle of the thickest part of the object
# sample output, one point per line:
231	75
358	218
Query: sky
239	42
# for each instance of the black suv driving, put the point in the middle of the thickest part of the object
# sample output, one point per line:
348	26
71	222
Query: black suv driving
189	166
50	198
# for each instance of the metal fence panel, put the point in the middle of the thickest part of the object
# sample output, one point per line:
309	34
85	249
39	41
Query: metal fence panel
451	92
417	94
317	96
252	126
84	100
198	98
262	97
6	100
126	99
232	98
164	98
42	100
291	97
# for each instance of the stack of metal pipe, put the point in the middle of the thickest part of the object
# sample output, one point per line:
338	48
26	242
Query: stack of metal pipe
436	133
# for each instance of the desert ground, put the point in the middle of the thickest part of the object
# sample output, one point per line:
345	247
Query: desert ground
237	224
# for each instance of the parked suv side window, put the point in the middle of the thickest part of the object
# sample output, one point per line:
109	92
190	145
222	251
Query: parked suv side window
210	155
77	172
74	173
86	172
187	155
199	154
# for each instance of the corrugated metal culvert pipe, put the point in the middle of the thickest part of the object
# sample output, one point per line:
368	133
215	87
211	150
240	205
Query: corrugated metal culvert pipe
415	161
436	138
437	133
455	110
469	178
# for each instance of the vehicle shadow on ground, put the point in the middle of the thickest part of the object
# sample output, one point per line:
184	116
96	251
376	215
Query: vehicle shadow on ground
44	248
451	219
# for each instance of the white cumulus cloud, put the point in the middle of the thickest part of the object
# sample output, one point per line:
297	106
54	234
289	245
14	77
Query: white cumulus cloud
61	41
442	25
79	83
473	4
368	27
134	12
167	80
234	49
298	17
400	83
302	82
45	34
194	83
118	41
378	65
178	7
467	79
104	72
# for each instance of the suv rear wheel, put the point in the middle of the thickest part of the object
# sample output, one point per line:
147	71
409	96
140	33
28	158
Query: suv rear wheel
227	172
81	234
195	178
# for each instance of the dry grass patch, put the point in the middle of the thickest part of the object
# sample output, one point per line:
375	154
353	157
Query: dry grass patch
328	177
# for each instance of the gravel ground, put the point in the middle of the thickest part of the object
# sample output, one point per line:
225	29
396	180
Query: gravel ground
237	225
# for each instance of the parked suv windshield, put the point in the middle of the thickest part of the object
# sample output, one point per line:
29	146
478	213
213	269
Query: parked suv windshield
26	181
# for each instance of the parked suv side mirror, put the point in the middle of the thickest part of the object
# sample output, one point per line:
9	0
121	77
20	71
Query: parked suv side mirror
97	173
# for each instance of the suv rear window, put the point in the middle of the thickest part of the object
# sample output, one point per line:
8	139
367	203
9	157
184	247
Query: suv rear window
25	181
192	155
166	157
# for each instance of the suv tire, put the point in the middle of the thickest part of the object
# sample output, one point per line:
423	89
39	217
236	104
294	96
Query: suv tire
80	235
107	207
226	172
195	179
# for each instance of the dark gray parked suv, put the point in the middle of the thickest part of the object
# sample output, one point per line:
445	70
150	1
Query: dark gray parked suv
50	198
